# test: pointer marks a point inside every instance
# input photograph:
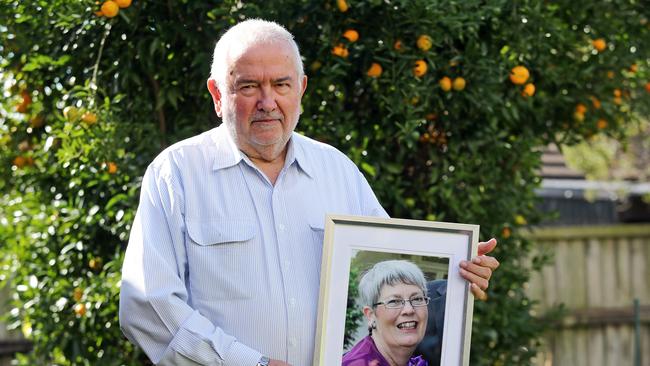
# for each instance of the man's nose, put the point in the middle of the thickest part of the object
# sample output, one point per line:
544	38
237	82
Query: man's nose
267	101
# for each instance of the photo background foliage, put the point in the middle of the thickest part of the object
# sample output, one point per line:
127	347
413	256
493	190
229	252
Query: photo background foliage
89	100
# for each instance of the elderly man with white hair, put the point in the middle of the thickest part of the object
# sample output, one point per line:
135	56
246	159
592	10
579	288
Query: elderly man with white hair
223	261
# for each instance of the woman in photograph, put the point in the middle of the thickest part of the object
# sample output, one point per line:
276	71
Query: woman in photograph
394	298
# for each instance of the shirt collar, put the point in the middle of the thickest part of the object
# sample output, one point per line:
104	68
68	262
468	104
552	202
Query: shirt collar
228	154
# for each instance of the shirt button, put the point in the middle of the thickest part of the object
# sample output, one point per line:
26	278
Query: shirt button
292	302
287	263
292	342
281	226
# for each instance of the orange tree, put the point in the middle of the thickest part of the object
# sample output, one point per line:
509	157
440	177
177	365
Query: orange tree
444	106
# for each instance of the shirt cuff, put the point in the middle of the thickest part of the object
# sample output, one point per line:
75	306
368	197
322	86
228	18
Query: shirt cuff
188	342
240	354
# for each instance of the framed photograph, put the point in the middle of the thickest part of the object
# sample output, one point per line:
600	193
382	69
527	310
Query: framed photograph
355	246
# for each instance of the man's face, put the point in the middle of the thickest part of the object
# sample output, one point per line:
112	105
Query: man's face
260	102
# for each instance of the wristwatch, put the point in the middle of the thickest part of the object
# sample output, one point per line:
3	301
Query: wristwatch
264	361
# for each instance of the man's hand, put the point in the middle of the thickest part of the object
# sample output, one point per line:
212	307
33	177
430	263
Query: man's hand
479	270
278	363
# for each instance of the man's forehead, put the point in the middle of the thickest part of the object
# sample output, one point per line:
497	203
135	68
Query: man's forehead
272	60
277	48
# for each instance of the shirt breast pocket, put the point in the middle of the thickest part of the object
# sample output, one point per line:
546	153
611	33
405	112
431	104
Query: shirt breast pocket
220	256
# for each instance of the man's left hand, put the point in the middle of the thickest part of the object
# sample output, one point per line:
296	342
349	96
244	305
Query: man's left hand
479	270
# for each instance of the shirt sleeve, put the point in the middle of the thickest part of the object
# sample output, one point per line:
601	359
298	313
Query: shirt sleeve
370	206
154	311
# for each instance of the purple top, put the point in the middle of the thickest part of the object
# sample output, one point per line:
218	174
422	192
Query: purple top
365	353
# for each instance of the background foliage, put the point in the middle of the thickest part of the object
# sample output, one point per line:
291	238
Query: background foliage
88	101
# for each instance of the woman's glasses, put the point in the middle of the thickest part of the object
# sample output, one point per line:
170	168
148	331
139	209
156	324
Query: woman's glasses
399	303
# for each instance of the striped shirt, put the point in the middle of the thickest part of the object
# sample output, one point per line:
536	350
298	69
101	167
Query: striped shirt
222	266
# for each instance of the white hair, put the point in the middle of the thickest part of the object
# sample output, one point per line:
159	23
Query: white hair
246	34
391	273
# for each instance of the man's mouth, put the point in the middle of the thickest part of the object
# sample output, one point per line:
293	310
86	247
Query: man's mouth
407	325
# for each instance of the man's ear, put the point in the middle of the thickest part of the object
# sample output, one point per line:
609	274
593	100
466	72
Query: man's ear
304	85
216	95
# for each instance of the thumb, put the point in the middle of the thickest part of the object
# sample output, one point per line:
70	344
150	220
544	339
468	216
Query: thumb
486	247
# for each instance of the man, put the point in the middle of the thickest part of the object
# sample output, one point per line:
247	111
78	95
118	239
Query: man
223	261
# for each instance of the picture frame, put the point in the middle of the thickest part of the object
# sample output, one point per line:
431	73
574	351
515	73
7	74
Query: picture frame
352	242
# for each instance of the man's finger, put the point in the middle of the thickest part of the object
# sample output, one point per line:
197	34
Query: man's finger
475	279
486	247
486	261
479	270
478	293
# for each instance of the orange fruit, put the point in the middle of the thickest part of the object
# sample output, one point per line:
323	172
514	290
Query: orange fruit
581	108
24	105
99	13
529	90
111	167
123	3
634	68
599	44
351	35
579	116
95	263
519	75
89	117
424	42
618	100
595	102
27	99
420	68
506	232
617	93
459	83
110	9
375	70
22	108
20	161
398	45
340	50
445	83
77	294
342	5
610	74
601	124
80	309
647	86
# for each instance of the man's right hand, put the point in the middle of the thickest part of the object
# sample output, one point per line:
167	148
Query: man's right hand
278	363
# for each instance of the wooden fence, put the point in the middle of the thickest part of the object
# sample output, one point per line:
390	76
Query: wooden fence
596	272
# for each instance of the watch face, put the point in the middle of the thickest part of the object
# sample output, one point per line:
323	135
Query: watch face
264	361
